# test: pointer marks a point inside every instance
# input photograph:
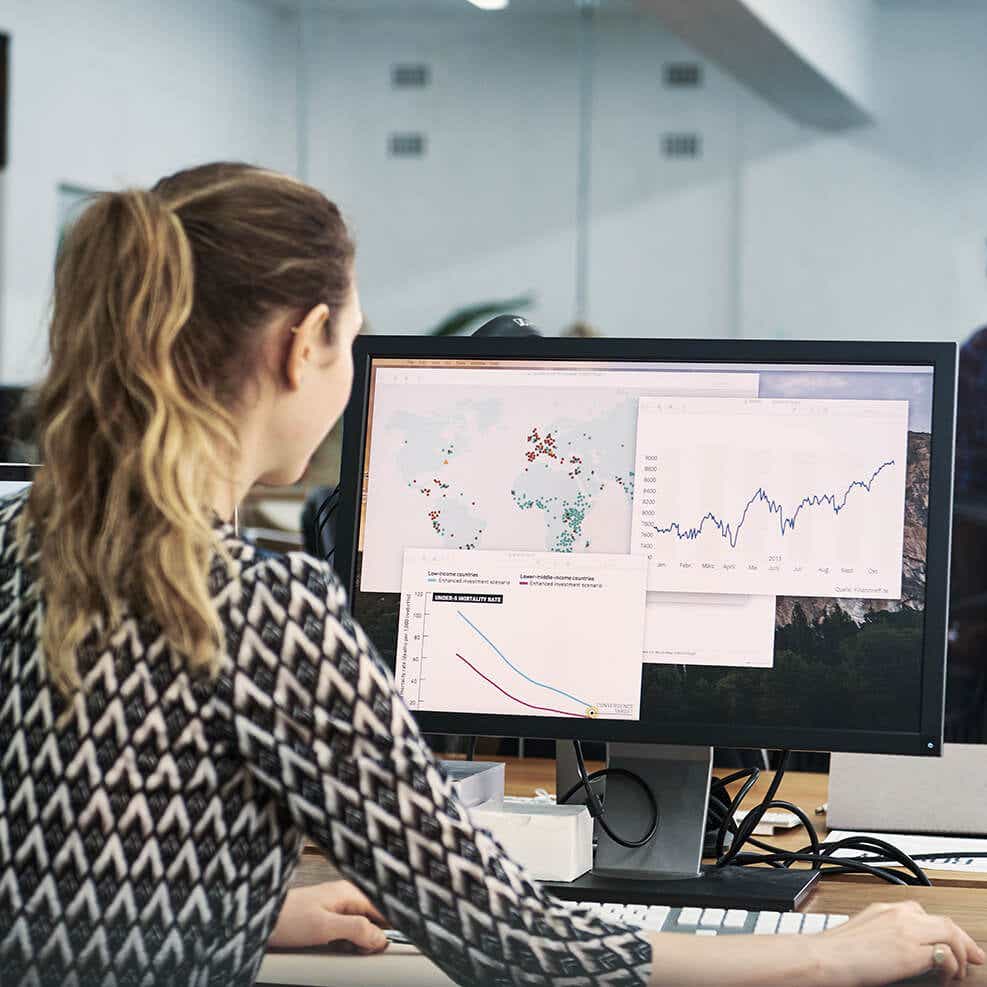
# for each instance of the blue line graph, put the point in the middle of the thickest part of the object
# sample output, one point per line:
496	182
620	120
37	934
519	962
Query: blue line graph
732	532
513	667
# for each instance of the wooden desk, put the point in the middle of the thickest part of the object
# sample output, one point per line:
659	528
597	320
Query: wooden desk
958	895
806	790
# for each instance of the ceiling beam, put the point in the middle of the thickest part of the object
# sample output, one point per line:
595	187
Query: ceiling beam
811	61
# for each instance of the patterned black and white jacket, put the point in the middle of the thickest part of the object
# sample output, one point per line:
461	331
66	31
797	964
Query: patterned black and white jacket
151	839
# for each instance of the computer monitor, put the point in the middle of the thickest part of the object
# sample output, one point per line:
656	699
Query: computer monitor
656	542
14	477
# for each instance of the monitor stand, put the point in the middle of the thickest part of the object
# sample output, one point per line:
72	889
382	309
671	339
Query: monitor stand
668	869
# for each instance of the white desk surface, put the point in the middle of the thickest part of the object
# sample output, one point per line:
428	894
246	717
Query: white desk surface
397	966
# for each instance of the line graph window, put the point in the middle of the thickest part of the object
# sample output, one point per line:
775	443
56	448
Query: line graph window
793	497
492	632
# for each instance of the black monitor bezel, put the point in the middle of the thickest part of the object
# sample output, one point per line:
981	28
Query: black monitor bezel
941	356
16	473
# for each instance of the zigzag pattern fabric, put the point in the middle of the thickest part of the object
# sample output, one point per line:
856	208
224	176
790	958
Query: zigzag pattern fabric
150	839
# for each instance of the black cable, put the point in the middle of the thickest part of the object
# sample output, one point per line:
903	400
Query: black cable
746	828
884	852
840	866
835	865
820	855
783	857
717	811
815	844
736	776
721	805
600	813
471	747
597	809
752	775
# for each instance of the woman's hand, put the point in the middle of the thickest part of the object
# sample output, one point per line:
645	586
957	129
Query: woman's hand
335	911
887	943
882	945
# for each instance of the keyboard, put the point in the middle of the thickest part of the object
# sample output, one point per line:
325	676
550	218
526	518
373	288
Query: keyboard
716	921
699	921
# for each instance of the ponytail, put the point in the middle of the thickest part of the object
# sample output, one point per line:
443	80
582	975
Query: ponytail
161	301
122	507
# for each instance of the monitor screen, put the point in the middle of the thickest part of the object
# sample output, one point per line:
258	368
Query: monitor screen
621	544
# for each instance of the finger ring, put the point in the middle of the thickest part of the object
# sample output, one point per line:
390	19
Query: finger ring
938	955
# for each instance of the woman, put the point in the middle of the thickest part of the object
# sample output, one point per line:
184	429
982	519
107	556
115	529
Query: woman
179	710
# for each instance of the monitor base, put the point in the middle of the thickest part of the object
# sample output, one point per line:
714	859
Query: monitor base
751	888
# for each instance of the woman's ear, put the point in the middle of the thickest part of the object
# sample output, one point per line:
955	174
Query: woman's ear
304	343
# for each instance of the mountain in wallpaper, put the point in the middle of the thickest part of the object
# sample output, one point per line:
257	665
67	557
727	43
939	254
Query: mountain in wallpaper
913	555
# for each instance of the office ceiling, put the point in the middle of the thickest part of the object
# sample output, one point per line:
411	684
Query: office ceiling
517	7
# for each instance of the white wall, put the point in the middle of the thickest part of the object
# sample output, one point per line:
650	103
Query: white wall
777	231
489	212
663	244
112	92
881	232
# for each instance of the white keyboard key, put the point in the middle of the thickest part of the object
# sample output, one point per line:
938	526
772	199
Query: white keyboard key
712	918
736	918
834	921
612	911
655	919
813	923
635	911
705	932
767	923
790	922
690	916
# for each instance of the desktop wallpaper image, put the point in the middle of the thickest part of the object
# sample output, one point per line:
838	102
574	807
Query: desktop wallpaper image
858	660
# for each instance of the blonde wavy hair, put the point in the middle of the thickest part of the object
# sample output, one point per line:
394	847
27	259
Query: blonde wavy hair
160	300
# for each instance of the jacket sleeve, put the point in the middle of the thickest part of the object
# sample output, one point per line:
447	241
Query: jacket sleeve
316	717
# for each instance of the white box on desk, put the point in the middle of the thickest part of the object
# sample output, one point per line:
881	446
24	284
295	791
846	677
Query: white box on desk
902	794
476	782
554	842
